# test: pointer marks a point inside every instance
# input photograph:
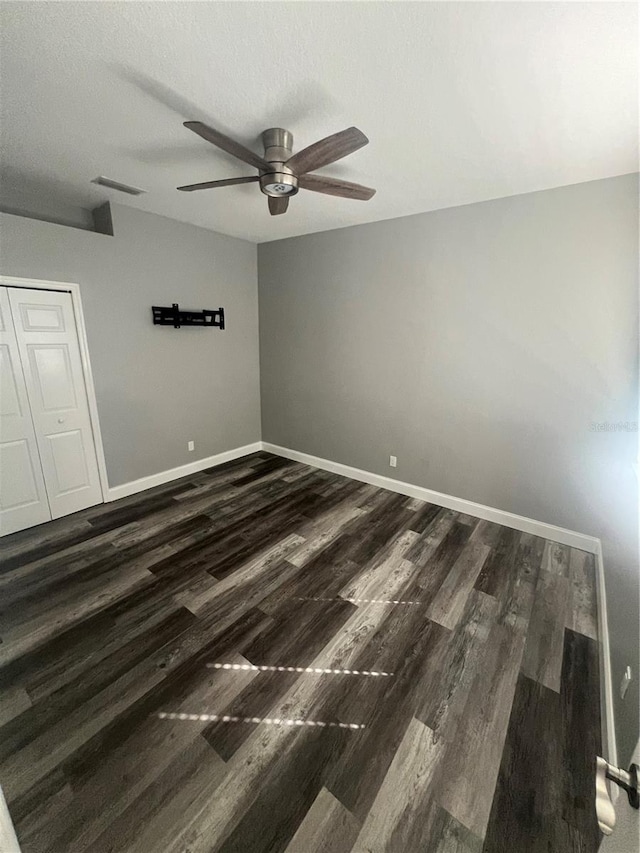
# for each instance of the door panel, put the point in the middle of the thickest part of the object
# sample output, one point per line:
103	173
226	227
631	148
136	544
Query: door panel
23	498
9	403
68	454
42	318
51	371
47	338
17	469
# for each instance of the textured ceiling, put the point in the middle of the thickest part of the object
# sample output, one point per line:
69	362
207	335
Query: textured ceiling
462	102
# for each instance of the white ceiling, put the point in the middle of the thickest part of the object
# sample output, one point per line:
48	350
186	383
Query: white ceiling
462	102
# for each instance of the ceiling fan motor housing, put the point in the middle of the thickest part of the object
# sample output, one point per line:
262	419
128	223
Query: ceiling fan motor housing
278	145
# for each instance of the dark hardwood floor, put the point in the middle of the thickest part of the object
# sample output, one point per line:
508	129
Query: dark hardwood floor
266	657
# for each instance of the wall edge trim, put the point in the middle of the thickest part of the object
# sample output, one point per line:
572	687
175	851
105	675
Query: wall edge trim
518	522
571	538
606	693
162	477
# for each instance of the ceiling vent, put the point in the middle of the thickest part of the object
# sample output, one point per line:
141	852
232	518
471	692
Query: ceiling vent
116	185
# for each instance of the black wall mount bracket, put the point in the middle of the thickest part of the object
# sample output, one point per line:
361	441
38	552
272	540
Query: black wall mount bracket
175	317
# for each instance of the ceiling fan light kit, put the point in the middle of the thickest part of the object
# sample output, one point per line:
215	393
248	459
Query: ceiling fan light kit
282	173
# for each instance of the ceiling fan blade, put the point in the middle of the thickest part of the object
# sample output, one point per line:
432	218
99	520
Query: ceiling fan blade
227	182
278	205
335	186
327	151
227	144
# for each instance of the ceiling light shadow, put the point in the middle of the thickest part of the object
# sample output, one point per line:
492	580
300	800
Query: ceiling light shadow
171	155
306	101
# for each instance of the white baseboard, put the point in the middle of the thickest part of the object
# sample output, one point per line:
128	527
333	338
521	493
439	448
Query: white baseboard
499	516
126	489
518	522
609	743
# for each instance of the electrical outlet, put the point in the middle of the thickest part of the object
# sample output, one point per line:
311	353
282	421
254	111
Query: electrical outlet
191	445
626	681
393	461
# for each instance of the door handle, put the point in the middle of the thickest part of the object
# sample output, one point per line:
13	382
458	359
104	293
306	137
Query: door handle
628	780
60	420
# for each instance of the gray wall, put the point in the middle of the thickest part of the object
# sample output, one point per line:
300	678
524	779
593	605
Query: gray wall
478	344
156	387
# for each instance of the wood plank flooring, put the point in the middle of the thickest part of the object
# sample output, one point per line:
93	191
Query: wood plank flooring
267	658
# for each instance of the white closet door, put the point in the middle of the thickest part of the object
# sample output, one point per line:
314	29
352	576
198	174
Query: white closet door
46	333
23	499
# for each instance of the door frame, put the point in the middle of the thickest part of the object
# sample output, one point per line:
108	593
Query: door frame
74	289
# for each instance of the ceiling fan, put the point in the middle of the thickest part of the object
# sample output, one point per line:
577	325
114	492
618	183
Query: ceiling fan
282	173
